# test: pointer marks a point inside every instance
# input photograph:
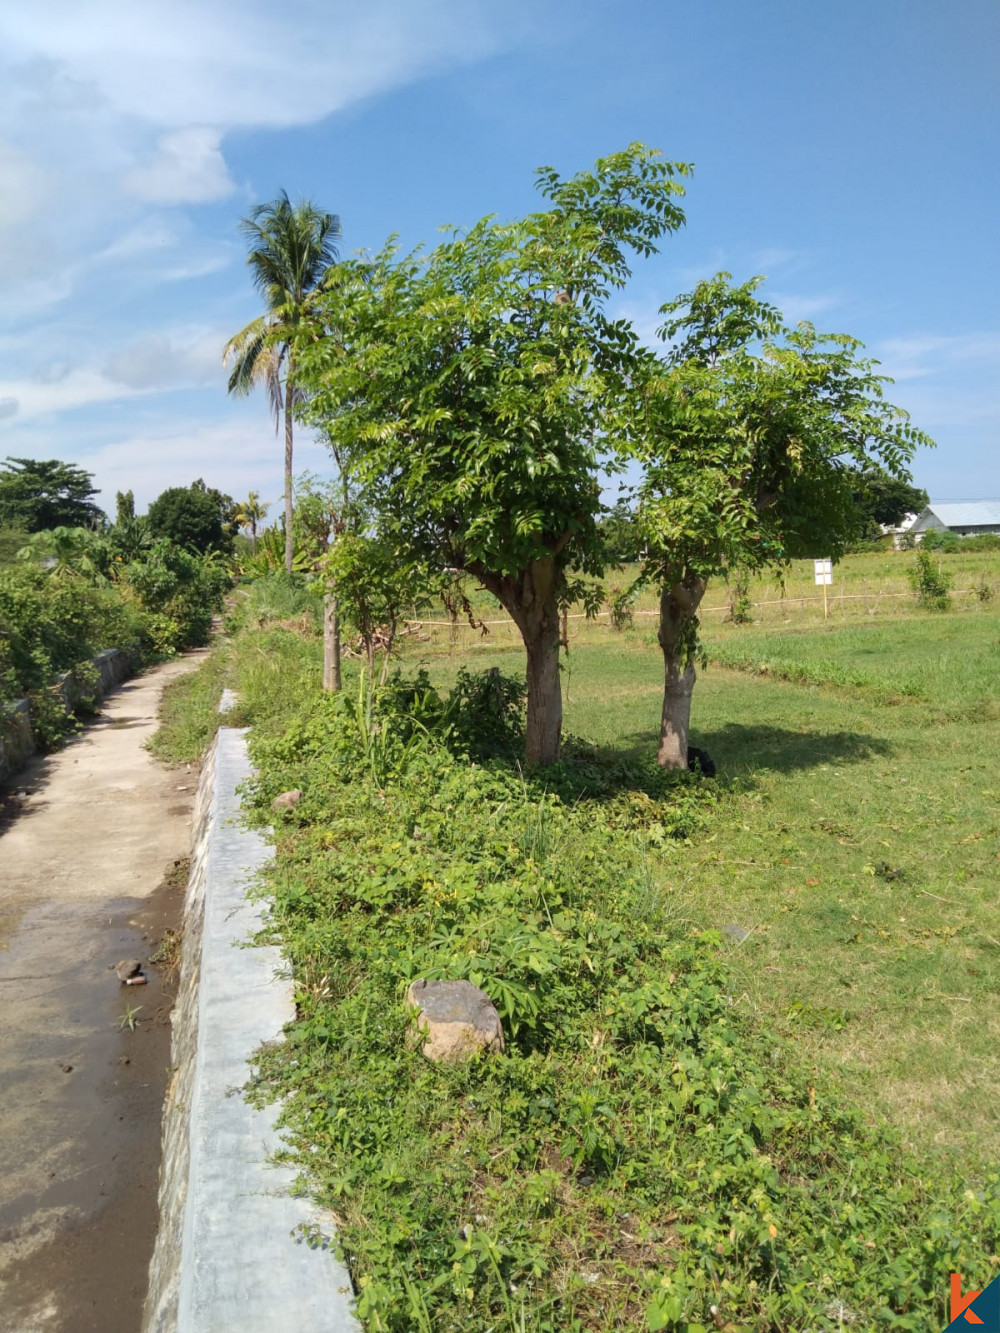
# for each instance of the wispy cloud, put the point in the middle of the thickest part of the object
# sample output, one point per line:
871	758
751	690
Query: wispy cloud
797	307
237	455
179	63
187	168
918	356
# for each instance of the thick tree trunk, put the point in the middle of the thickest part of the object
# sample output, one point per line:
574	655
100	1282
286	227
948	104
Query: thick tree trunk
531	599
544	730
331	643
678	606
288	470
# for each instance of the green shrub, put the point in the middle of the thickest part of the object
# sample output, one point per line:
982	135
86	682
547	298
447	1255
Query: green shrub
929	581
621	607
740	602
177	593
940	540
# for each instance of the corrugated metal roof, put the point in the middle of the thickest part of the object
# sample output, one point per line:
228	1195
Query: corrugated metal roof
973	513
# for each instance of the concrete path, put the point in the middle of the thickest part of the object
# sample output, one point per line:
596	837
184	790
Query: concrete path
91	871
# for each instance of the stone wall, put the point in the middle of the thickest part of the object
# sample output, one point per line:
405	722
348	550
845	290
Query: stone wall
229	1253
17	741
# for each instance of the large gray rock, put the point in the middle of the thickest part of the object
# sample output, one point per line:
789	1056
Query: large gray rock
288	800
456	1020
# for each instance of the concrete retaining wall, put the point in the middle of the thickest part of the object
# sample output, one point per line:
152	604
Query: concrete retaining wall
17	741
226	1258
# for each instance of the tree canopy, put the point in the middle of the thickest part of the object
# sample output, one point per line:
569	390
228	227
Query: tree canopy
37	495
884	500
752	439
192	517
476	387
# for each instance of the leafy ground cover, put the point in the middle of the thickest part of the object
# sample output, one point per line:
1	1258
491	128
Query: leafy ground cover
645	1149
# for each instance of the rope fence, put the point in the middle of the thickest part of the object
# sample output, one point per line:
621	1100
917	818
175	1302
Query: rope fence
789	602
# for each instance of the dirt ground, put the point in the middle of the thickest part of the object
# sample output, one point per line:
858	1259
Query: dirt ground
92	868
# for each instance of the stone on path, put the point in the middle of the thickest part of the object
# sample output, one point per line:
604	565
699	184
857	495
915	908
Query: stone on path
126	969
457	1019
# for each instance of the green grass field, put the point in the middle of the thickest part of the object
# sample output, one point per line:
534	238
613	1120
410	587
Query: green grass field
859	844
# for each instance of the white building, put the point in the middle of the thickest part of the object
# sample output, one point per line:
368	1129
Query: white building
965	519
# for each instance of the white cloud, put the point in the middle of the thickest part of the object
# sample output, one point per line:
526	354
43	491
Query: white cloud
236	455
233	63
919	355
187	168
169	360
40	397
796	308
24	187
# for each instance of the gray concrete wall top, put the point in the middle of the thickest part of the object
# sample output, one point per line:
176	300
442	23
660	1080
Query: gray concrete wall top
241	1267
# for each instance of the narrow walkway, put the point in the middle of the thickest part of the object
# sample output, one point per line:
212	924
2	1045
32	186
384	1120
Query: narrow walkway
88	875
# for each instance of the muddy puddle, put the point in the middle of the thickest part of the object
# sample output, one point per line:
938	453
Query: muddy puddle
81	1095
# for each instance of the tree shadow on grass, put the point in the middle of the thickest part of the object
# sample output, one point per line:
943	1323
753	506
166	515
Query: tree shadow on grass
740	750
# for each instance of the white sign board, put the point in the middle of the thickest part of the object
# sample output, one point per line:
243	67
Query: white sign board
824	571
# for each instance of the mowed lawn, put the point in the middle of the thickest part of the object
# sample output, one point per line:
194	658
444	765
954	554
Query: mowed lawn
858	843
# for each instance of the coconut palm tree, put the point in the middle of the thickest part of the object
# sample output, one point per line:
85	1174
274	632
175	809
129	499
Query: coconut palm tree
291	248
251	513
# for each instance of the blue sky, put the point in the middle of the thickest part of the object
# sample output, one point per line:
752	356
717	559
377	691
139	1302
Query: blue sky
847	150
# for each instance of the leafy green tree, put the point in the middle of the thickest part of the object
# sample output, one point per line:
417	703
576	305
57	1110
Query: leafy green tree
622	534
884	500
752	436
36	495
189	516
475	390
375	589
291	249
252	512
129	536
228	508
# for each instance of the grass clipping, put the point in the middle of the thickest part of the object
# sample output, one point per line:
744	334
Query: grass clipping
640	1157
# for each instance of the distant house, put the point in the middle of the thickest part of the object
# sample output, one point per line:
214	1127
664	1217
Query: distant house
965	519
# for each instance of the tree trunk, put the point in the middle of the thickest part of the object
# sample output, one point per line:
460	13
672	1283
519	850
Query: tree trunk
331	643
532	601
678	605
288	469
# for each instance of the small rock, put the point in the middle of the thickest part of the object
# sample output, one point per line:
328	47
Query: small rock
124	1060
457	1020
288	800
128	967
67	1069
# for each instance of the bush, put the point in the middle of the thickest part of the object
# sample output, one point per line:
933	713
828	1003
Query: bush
621	607
929	581
950	543
740	603
941	540
48	626
178	593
